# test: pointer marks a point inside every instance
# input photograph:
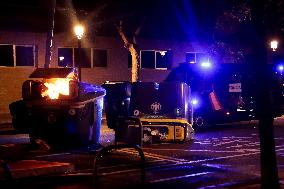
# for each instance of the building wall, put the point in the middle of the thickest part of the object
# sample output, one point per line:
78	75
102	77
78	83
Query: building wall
11	78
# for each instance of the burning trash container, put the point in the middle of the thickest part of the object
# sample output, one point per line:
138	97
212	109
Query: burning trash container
59	109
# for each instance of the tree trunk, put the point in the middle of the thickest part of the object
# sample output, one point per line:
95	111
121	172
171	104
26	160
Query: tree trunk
269	171
49	36
131	47
135	64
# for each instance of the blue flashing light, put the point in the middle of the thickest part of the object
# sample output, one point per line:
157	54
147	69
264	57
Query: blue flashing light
206	64
280	68
194	102
156	86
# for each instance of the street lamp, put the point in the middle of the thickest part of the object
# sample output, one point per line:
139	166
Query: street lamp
79	32
274	45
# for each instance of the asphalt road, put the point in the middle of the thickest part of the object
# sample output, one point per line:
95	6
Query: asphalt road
221	157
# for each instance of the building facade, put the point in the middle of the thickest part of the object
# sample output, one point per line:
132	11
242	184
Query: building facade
103	59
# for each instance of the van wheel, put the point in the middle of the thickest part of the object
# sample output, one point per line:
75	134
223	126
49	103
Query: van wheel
199	121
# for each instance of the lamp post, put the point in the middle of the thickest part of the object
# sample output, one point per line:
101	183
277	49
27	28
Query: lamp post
79	32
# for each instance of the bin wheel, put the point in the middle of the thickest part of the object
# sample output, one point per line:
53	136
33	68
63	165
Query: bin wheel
199	122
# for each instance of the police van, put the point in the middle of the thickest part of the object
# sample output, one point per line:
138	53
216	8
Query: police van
226	92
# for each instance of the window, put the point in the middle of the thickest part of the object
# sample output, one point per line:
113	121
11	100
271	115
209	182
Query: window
24	56
99	58
162	59
68	57
6	55
195	57
190	58
148	59
85	57
65	57
155	59
129	60
17	55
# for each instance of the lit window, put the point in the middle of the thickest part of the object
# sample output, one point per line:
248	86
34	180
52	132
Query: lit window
195	57
65	57
162	59
154	59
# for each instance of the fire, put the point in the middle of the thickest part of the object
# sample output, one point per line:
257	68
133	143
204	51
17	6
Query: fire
55	87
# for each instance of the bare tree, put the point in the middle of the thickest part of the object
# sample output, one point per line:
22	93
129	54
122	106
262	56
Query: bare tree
263	17
131	46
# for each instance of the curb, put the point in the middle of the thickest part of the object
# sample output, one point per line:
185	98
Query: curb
31	168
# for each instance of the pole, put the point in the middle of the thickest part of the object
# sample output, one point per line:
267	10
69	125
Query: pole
268	162
79	59
49	36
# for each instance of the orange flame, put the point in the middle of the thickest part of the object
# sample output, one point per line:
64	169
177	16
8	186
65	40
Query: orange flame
55	87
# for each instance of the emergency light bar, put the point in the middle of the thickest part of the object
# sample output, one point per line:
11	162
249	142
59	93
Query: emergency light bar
205	64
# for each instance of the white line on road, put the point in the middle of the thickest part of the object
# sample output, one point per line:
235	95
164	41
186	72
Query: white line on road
156	156
219	158
179	177
216	151
51	155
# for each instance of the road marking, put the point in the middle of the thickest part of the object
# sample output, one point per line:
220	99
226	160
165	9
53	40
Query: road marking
179	177
151	155
183	161
229	142
217	151
206	143
177	163
236	146
51	155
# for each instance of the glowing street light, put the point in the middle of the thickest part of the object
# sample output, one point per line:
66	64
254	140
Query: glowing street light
274	45
79	32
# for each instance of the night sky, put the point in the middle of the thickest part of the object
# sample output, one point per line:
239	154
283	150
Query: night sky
168	19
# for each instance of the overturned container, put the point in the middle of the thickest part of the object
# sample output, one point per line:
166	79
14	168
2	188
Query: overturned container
59	109
164	110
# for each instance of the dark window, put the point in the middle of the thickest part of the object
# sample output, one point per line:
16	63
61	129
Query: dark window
148	59
162	59
201	57
190	57
65	57
129	60
84	58
99	58
24	56
6	55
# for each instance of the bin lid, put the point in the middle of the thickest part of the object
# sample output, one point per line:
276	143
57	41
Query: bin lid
52	72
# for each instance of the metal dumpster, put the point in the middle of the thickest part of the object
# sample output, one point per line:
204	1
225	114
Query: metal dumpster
164	109
66	119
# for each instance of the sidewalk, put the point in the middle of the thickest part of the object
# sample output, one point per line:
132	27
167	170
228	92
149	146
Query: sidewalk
5	121
30	167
